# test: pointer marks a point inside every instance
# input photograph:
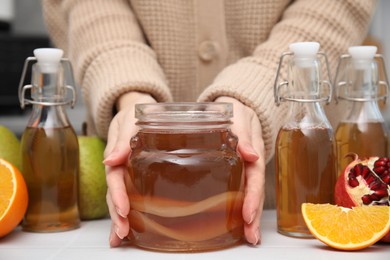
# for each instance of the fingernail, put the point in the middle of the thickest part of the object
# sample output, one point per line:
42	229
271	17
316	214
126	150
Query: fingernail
117	232
257	237
120	213
108	158
253	215
251	150
111	238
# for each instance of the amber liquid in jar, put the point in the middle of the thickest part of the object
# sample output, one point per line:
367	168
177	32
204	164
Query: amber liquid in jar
366	139
50	168
306	173
185	191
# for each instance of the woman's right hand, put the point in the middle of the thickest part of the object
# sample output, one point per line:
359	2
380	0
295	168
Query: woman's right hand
116	154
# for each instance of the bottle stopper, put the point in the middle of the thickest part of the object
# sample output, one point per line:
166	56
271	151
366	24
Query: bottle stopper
362	56
48	59
304	53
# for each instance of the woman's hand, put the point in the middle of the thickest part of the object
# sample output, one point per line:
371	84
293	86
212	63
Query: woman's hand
246	126
116	154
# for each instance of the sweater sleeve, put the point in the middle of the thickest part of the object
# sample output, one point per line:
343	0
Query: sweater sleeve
107	49
336	25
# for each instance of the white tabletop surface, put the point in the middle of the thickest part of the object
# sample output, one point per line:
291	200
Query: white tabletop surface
90	241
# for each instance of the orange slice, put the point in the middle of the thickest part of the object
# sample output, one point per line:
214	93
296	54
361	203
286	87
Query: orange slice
13	197
345	228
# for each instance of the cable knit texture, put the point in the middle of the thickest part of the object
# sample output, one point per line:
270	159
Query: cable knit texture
183	50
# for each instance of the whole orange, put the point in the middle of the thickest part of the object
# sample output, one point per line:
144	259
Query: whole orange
13	197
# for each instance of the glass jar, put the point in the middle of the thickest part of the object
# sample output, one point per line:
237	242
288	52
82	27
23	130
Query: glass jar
186	178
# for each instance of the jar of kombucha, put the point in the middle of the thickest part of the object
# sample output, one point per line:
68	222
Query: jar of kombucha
49	146
186	178
305	149
362	130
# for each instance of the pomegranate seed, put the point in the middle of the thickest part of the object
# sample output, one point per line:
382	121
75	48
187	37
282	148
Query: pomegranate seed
380	169
366	199
382	193
386	179
366	172
375	185
375	197
370	178
353	182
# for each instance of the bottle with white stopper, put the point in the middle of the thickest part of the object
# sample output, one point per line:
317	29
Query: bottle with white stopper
305	149
49	146
360	83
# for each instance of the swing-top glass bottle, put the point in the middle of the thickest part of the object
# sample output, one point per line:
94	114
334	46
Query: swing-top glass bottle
305	146
361	82
49	146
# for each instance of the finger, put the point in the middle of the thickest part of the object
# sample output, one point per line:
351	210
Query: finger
116	182
254	200
119	225
118	203
254	190
243	127
114	240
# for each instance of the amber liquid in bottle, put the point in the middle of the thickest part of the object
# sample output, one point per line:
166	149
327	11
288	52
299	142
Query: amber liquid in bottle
306	173
50	158
186	191
366	139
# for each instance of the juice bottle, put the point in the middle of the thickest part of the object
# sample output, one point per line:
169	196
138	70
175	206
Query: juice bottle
362	130
305	149
49	146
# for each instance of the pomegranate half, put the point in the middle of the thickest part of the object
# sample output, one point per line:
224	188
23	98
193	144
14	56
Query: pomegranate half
364	183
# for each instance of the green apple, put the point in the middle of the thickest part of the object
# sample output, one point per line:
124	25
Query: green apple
92	178
10	147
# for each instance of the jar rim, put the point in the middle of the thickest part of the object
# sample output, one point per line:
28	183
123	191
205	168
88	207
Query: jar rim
184	115
184	111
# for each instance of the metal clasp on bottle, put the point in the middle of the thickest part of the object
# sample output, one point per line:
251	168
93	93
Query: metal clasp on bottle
22	89
278	85
384	83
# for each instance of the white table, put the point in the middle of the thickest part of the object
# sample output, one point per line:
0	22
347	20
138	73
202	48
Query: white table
90	242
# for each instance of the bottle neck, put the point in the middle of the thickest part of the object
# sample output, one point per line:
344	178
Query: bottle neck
363	85
363	82
367	111
304	81
48	117
49	88
49	97
307	115
305	89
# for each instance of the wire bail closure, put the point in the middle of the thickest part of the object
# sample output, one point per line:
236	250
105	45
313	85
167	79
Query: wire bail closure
22	89
285	83
342	84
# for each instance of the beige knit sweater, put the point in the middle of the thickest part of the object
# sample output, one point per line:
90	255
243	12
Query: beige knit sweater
186	50
183	50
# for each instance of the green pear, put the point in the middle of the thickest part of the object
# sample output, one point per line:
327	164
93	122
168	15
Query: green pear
92	178
10	147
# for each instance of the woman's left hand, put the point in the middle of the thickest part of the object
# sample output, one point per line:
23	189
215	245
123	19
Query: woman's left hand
247	127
